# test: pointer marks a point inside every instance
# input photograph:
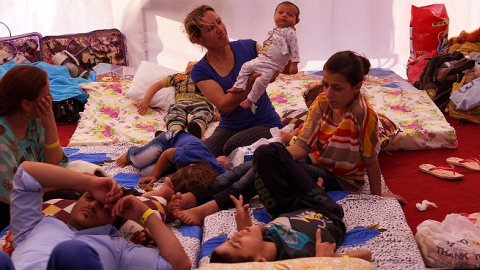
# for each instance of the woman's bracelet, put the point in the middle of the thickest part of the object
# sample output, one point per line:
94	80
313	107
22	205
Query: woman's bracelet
145	215
53	145
292	142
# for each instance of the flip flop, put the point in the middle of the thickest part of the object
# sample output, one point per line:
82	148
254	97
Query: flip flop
444	172
469	163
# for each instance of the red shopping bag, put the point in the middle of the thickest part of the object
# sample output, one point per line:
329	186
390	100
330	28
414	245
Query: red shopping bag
428	33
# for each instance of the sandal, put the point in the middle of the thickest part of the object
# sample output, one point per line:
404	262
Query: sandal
469	163
444	172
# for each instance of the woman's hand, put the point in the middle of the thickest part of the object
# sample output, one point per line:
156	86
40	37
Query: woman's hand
399	198
44	110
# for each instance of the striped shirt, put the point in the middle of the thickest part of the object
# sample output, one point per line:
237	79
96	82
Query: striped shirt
342	148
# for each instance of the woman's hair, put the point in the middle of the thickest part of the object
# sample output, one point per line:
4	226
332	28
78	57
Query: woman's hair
20	83
189	178
312	93
193	22
349	64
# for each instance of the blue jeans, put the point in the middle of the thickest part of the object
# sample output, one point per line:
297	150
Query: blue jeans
146	157
329	181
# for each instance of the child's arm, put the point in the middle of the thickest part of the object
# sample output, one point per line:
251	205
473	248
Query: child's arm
242	216
165	158
293	45
144	103
326	249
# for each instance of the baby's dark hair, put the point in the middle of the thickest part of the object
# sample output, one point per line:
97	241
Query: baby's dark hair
218	257
290	3
351	65
312	93
189	178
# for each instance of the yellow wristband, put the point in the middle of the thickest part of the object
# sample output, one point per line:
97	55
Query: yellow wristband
345	256
53	145
292	142
145	215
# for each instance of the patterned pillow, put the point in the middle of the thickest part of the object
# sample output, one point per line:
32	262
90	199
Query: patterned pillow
386	127
128	229
386	130
296	117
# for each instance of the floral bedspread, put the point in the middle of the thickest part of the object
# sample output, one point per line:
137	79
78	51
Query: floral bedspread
422	124
111	117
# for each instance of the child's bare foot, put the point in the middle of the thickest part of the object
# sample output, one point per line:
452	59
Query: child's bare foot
122	160
165	191
235	90
246	104
173	207
192	217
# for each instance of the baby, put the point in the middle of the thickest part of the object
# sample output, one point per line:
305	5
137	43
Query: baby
273	57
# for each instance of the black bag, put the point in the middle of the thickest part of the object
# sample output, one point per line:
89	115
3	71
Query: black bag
438	80
67	110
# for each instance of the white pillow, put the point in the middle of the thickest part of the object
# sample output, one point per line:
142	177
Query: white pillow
147	74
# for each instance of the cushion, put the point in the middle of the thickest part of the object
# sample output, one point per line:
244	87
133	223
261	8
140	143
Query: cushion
147	74
386	130
386	127
297	264
296	117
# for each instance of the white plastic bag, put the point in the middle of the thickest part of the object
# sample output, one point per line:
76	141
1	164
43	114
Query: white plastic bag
453	243
245	153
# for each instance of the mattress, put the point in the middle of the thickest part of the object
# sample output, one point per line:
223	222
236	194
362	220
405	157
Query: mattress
111	117
393	248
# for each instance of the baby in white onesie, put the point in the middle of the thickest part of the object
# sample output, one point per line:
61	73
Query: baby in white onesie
280	45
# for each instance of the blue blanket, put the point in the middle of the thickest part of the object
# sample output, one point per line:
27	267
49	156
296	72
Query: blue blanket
62	85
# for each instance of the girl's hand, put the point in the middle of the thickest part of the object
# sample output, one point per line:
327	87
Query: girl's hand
399	198
44	110
286	136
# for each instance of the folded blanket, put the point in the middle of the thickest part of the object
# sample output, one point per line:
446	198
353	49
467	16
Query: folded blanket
62	85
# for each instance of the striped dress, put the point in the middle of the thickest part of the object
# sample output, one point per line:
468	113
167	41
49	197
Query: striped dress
342	148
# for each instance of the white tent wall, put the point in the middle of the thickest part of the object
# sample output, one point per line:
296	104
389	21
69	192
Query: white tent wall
377	28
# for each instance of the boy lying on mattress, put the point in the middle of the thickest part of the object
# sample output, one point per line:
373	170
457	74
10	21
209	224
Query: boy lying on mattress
306	221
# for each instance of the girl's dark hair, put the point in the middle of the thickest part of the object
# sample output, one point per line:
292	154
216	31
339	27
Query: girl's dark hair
312	93
193	22
20	83
189	178
349	64
217	257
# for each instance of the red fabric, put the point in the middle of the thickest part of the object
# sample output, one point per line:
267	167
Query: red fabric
402	176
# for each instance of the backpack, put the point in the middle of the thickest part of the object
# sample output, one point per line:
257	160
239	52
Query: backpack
437	80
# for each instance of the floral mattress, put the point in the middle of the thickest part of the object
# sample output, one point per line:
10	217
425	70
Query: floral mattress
111	117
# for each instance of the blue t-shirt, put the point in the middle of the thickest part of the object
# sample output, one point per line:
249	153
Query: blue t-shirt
190	149
240	119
